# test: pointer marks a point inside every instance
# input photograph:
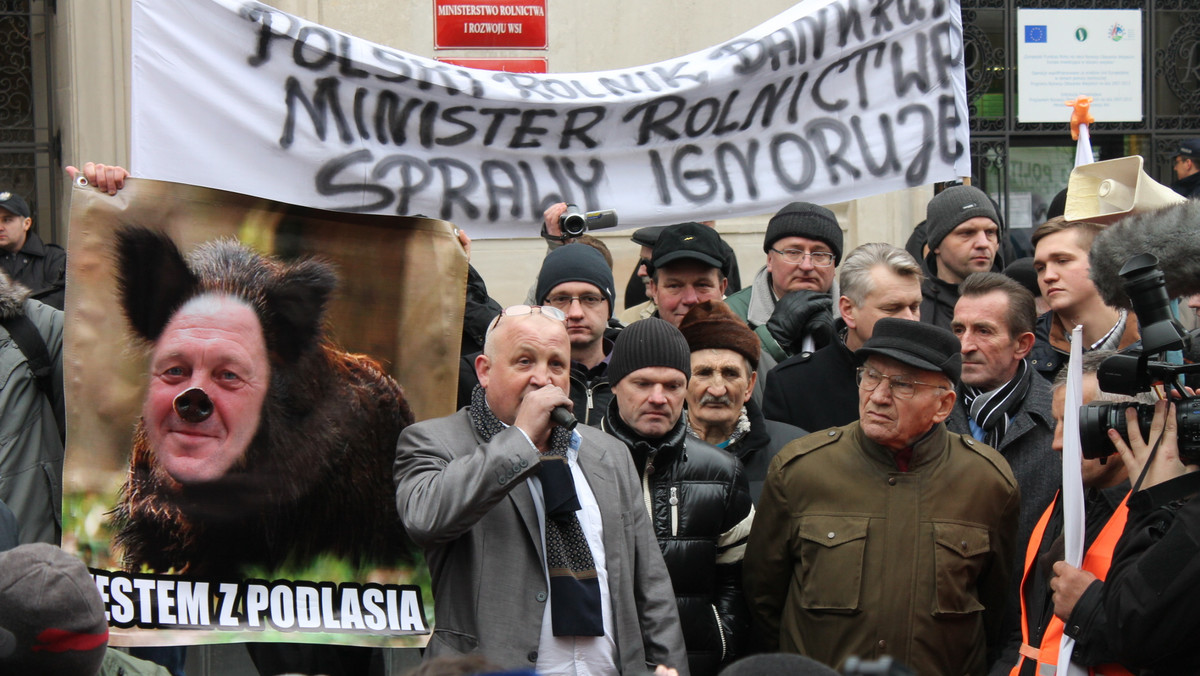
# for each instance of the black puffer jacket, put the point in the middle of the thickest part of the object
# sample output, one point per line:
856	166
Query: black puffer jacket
699	502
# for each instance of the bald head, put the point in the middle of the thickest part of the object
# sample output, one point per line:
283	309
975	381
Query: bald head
522	354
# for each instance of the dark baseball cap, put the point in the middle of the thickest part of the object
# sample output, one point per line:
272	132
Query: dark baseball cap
685	241
1189	147
923	346
13	202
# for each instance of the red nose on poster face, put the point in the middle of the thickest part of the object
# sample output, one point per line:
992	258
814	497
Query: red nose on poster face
193	405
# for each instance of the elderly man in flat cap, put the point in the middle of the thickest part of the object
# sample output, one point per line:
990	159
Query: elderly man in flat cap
890	535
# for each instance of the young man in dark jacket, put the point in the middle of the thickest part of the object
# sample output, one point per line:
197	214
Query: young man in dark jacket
696	494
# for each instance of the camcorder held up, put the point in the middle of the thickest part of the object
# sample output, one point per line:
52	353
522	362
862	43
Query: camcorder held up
1137	369
575	222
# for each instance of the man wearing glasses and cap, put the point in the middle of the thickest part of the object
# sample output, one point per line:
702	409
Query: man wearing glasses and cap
39	267
890	535
540	549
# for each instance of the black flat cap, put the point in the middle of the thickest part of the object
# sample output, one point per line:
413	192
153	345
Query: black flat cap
688	241
924	346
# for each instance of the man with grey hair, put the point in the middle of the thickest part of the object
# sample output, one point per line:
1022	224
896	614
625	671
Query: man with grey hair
815	391
572	570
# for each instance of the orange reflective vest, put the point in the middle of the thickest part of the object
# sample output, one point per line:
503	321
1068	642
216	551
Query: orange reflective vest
1096	561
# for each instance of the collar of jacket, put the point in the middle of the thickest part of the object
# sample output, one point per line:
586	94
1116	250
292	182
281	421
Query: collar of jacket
12	297
756	439
762	299
34	246
927	451
664	449
1058	335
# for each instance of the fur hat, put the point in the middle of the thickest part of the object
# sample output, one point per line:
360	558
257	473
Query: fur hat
575	263
649	342
810	221
953	206
712	325
925	346
51	614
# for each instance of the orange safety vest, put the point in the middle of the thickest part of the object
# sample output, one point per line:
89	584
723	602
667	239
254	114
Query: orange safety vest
1096	561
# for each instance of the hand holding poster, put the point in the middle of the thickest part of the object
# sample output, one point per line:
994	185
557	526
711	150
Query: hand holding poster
244	456
830	101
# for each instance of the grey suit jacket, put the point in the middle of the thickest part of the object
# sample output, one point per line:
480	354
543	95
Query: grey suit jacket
467	505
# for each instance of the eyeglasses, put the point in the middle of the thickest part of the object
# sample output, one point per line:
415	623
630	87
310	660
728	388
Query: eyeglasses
820	259
522	310
902	387
590	301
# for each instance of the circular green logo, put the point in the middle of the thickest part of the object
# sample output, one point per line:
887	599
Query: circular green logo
1081	34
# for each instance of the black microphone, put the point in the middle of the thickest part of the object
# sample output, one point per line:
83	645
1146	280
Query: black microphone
562	416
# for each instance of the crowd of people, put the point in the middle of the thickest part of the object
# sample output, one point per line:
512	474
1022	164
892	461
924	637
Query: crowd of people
854	457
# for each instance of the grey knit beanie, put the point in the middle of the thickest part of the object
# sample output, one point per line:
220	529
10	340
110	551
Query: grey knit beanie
52	613
951	207
811	221
575	263
649	342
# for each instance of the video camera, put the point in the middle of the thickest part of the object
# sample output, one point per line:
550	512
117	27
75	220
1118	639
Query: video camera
1136	369
574	222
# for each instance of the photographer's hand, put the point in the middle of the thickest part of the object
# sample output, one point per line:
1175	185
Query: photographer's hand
1068	584
1136	452
551	216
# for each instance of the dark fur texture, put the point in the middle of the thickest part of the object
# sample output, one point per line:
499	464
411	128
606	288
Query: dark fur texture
1171	233
317	477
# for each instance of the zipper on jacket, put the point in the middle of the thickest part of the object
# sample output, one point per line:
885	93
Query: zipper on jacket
720	630
674	512
646	487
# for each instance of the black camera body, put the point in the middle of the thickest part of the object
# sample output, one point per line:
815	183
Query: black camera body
575	222
1138	368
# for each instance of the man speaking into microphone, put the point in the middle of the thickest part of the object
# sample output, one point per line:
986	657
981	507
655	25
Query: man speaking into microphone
537	540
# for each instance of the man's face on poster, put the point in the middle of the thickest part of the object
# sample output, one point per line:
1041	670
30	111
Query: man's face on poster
213	350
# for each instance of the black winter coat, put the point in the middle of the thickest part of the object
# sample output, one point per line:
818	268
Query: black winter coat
814	392
761	443
699	503
39	267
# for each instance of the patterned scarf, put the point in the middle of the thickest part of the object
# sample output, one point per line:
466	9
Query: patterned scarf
992	410
574	585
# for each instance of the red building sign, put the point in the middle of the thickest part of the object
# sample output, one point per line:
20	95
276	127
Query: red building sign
489	24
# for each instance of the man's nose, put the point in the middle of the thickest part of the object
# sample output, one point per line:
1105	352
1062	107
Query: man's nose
806	262
690	297
575	308
193	405
658	395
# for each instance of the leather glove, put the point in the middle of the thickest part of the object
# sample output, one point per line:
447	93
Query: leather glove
799	314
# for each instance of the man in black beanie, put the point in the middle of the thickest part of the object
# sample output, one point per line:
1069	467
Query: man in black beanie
789	305
697	494
890	535
576	279
963	235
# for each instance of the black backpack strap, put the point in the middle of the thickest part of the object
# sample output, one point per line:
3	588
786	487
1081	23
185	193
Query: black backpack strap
30	342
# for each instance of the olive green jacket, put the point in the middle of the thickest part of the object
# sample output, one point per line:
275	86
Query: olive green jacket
850	556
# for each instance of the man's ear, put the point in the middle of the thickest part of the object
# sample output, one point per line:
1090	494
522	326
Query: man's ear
945	406
483	367
153	279
750	390
846	310
1025	344
296	307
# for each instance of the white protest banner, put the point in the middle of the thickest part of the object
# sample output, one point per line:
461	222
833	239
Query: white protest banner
830	101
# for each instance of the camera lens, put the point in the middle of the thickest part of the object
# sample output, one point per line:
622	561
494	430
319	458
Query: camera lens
1097	418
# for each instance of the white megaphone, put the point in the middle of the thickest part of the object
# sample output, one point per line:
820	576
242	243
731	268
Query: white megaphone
1105	192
